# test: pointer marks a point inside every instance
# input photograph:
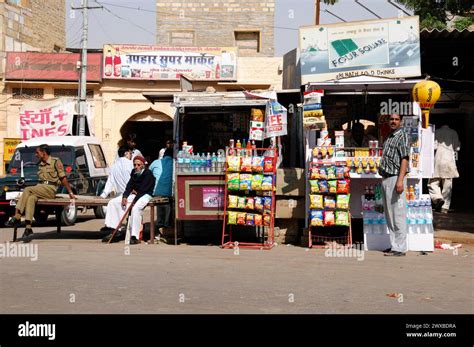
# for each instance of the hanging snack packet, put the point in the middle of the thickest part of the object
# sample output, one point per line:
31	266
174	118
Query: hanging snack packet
233	180
257	164
241	218
233	200
246	164
316	201
232	217
323	173
266	220
329	202
343	186
317	218
314	175
324	152
323	186
330	152
328	218
314	186
241	202
340	172
267	204
258	219
259	203
342	218
257	180
267	183
332	186
342	201
268	164
233	163
250	219
315	152
347	172
331	173
245	181
250	204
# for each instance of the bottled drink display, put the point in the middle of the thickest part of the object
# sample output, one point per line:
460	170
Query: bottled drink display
117	63
108	63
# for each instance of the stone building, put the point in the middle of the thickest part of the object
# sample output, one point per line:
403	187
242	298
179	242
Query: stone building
246	24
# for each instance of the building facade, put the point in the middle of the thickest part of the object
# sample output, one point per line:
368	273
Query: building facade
246	24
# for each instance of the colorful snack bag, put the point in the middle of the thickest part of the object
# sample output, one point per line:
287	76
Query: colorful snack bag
267	204
330	152
233	163
328	218
342	218
268	164
266	220
241	202
258	219
250	219
343	186
241	218
257	164
259	203
246	164
232	217
233	200
314	186
323	186
342	201
267	183
245	182
329	202
347	172
332	185
323	151
250	204
316	201
317	218
315	152
233	180
257	180
323	173
331	173
314	175
340	172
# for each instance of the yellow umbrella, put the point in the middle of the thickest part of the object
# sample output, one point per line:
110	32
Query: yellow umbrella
426	93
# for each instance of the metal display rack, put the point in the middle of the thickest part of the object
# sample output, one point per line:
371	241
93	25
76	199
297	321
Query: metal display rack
264	232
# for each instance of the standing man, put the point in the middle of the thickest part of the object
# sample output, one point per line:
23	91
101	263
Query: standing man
131	143
51	175
393	169
446	145
168	144
139	191
119	173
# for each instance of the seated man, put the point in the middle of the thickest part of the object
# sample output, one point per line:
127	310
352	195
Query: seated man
358	138
51	175
139	191
162	169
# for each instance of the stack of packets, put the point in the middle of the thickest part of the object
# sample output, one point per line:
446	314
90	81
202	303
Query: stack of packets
368	165
313	117
260	207
329	195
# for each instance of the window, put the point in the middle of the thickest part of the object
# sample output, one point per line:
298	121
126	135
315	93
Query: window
248	42
30	93
72	93
98	156
181	38
81	159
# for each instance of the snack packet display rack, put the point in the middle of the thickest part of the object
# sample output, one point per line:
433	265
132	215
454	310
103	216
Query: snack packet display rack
249	198
329	216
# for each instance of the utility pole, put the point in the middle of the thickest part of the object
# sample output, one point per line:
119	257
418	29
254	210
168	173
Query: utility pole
318	10
82	100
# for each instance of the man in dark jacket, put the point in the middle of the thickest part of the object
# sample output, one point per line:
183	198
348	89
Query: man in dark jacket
139	191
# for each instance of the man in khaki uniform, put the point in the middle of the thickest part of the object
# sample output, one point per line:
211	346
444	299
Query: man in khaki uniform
51	175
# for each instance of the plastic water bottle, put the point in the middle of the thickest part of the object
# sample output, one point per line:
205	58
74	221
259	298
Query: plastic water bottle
193	163
180	161
187	162
208	162
202	163
214	162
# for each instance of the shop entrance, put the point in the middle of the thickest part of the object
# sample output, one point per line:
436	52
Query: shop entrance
152	128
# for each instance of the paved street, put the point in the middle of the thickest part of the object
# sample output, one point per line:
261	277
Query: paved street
76	273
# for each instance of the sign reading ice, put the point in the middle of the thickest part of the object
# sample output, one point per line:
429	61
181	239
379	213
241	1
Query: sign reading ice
383	48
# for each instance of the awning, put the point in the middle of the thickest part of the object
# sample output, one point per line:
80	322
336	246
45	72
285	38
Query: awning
204	99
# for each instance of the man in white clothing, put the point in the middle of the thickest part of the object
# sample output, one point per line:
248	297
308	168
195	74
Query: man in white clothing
441	185
119	173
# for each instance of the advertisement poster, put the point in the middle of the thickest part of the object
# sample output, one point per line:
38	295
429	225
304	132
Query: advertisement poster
9	146
276	123
379	48
212	197
140	62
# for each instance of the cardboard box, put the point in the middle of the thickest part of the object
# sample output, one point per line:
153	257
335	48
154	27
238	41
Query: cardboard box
290	207
290	182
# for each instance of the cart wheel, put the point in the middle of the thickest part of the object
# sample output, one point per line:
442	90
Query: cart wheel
100	211
68	216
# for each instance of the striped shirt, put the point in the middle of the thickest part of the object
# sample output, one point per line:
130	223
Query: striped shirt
395	148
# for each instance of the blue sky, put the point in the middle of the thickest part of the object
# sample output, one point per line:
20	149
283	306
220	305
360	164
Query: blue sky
120	25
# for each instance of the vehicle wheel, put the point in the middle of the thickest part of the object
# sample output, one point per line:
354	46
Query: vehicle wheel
100	211
41	218
68	215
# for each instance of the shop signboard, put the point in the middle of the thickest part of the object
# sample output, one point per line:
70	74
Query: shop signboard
48	118
379	48
9	146
143	62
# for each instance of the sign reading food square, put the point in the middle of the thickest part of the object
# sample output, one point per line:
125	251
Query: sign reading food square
141	62
379	48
